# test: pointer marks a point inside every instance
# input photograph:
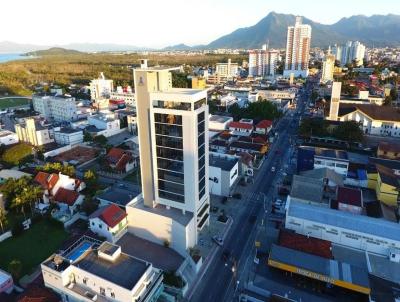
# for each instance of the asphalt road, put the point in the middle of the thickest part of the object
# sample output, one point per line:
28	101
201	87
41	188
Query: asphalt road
219	282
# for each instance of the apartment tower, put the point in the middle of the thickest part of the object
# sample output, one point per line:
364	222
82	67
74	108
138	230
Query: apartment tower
297	49
173	144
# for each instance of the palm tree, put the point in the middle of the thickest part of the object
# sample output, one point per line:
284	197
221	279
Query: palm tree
3	219
19	202
15	267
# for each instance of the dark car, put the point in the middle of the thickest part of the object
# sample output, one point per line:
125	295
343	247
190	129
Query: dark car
226	254
283	191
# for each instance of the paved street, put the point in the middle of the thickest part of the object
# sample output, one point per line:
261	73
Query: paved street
219	283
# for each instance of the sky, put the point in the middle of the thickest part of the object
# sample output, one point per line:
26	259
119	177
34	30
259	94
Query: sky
159	23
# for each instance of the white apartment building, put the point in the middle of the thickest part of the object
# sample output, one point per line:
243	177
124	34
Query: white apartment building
227	70
341	227
352	51
68	136
106	122
8	138
328	66
173	145
126	95
32	132
100	88
297	49
223	173
93	271
55	107
262	62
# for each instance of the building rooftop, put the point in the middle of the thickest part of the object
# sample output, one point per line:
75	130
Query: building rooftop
220	118
69	130
110	215
327	153
345	220
393	146
241	125
307	189
375	112
9	173
173	213
222	162
384	268
124	271
324	173
120	194
350	196
392	164
331	269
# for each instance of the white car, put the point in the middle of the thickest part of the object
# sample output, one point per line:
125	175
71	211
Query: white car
273	169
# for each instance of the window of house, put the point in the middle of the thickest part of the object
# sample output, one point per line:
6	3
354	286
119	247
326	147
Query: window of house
85	280
102	291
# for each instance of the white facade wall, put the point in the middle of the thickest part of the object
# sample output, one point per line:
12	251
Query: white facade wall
57	108
100	88
8	138
339	166
374	127
112	126
99	227
65	138
160	229
215	183
346	237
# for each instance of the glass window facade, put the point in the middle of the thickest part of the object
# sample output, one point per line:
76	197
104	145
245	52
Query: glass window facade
172	105
169	152
201	153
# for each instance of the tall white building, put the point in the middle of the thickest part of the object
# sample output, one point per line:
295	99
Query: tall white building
297	49
227	70
173	144
328	67
352	51
100	88
56	107
262	62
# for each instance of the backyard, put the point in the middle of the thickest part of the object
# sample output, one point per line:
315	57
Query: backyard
11	102
32	246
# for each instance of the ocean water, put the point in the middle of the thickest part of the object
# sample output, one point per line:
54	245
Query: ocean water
5	57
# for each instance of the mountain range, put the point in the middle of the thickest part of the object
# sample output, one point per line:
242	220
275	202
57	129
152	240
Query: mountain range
376	30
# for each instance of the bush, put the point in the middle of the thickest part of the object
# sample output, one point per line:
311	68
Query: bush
17	229
36	218
172	280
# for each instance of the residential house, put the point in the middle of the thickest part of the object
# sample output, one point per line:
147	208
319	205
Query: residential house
8	138
252	148
240	128
68	200
263	127
389	150
121	160
109	221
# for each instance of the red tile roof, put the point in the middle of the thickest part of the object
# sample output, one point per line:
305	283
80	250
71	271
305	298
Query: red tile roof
310	245
240	125
264	124
111	215
349	196
119	158
46	180
66	196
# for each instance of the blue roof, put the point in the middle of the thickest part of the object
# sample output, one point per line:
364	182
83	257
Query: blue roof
359	223
362	174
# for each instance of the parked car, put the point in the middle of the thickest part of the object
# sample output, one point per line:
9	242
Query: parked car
226	255
218	240
273	169
283	191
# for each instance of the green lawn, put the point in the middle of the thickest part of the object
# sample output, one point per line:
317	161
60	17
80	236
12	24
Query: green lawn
11	102
16	153
32	246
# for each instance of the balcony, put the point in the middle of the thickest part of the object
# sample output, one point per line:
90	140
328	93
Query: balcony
84	293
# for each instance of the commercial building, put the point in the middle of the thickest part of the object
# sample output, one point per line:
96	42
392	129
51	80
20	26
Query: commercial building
54	107
351	230
228	70
93	271
328	67
123	94
68	136
331	271
100	88
297	49
223	173
352	51
262	62
173	145
32	132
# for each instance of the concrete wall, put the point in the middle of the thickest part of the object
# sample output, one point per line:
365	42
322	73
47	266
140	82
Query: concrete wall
158	229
